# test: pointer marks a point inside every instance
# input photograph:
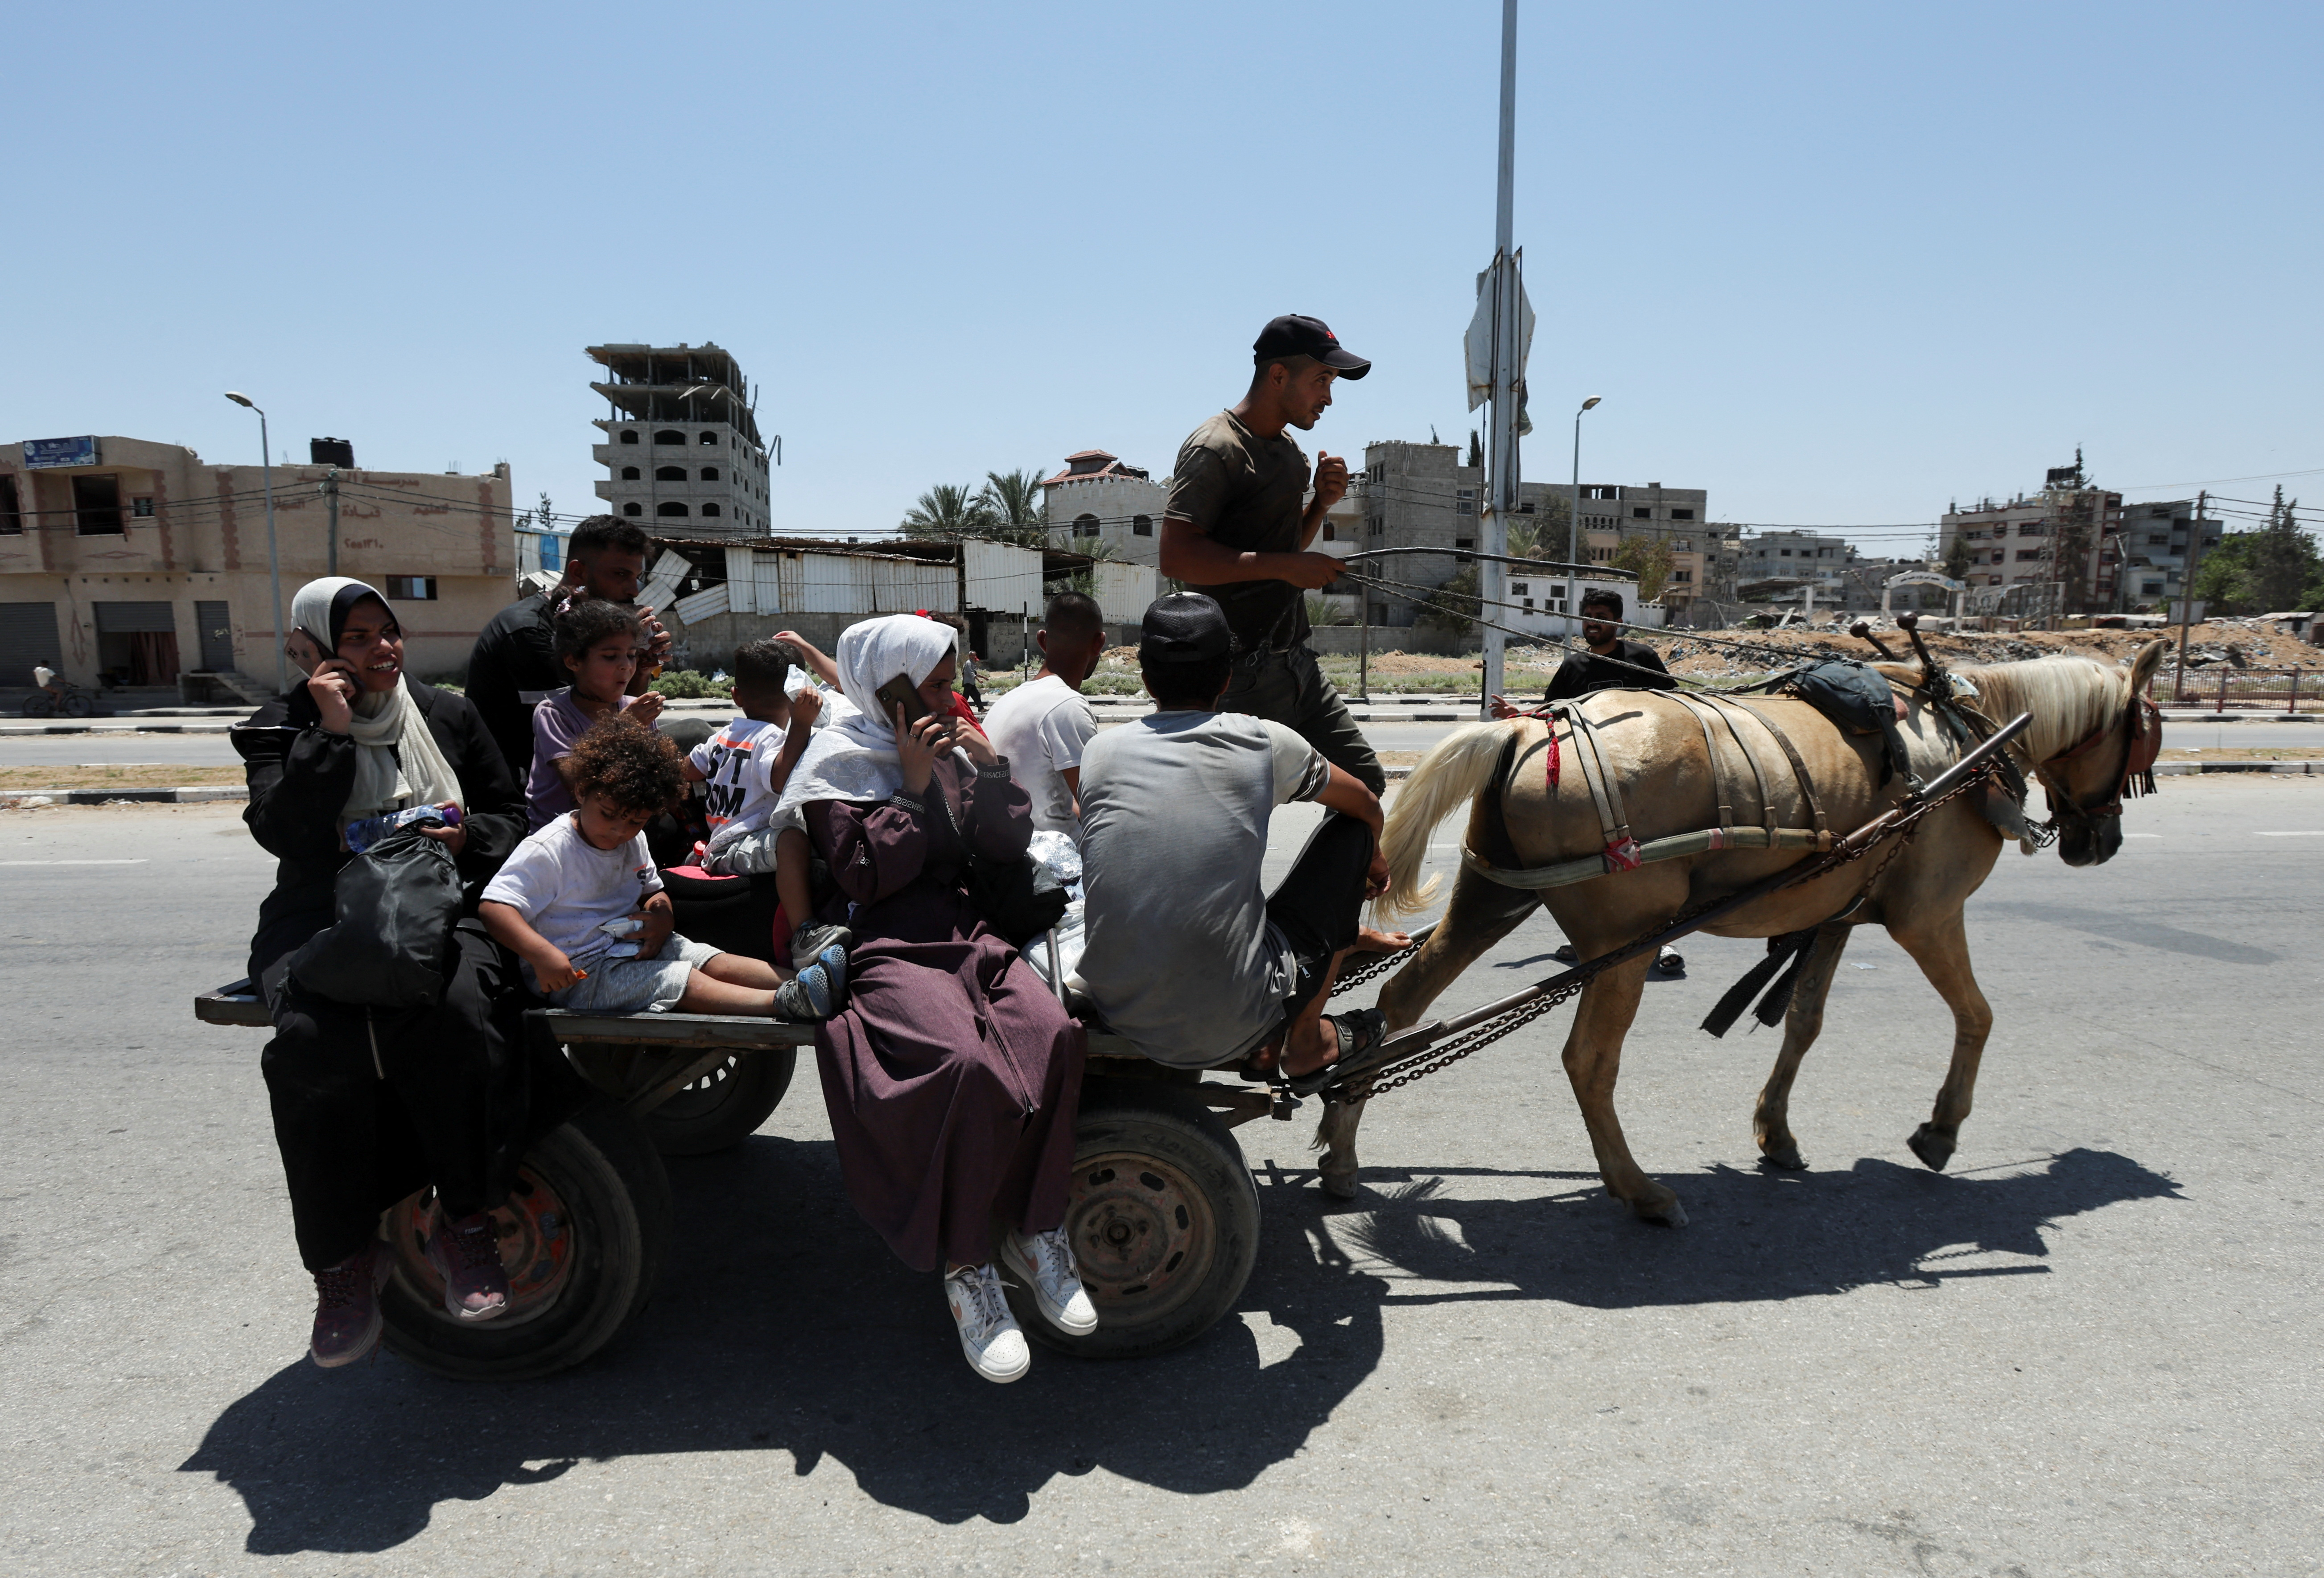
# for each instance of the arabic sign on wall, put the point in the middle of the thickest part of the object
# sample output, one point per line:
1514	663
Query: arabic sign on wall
40	453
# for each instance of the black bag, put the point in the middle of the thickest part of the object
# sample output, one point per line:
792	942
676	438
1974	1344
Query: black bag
1019	899
397	904
1858	699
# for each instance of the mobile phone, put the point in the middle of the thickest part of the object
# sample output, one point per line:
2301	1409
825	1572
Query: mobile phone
901	692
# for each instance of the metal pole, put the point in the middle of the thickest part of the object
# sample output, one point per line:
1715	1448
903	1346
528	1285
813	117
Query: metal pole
331	492
1492	575
1363	645
274	559
2187	594
1573	537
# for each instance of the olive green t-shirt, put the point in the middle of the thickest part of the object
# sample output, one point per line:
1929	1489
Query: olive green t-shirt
1244	492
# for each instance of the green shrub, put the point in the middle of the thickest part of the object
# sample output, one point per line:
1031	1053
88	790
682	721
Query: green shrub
687	685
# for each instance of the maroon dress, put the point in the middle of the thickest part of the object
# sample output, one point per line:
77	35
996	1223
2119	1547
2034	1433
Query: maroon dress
954	1077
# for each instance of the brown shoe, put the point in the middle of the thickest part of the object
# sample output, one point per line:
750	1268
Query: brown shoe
346	1308
466	1253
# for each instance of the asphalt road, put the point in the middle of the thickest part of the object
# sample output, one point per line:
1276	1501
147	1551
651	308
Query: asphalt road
212	750
2090	1348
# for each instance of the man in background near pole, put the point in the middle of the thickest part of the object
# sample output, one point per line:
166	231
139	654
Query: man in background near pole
1235	532
1610	663
514	663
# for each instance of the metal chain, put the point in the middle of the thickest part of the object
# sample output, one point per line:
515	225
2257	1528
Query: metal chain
1421	1065
1377	965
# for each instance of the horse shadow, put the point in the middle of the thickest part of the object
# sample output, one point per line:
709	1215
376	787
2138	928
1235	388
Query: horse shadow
794	1338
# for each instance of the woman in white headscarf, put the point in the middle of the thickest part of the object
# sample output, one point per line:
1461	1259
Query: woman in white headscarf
372	1104
954	1077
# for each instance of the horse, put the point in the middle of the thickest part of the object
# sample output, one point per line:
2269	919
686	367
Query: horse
2084	746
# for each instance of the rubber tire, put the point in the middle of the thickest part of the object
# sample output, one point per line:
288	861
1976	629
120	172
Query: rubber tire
76	706
731	1112
40	705
1152	1118
617	1199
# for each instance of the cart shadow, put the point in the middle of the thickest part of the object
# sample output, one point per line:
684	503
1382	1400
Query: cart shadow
794	1338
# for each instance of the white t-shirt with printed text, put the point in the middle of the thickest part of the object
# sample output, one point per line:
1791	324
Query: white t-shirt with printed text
566	887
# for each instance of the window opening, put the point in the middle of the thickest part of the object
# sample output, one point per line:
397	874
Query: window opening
670	507
96	506
710	474
670	474
669	436
412	588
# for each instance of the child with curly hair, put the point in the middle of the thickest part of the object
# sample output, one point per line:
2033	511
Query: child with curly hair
581	904
598	643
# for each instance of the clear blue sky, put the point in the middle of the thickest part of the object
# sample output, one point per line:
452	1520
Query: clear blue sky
1836	263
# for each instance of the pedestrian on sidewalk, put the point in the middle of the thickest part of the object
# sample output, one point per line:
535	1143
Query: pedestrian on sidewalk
1235	528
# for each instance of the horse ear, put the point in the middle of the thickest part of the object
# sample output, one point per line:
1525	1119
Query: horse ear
2143	666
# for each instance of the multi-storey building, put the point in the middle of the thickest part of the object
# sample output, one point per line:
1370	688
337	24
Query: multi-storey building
1779	562
2155	540
682	450
2057	552
1420	496
136	561
1098	495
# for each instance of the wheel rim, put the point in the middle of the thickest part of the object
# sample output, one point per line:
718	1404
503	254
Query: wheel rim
536	1245
1143	1235
703	1095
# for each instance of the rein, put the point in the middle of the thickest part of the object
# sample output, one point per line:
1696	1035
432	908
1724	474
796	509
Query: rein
2141	723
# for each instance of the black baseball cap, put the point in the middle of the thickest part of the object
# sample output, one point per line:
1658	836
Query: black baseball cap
1185	627
1294	336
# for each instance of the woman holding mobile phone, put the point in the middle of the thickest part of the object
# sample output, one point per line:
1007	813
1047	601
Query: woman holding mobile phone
954	1077
371	1104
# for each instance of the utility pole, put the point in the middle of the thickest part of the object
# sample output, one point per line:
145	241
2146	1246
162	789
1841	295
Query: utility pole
331	494
2187	593
273	559
1507	349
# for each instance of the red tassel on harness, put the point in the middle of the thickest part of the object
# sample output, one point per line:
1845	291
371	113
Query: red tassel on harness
1622	855
1553	759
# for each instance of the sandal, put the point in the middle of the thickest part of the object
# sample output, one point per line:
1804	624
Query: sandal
1360	1032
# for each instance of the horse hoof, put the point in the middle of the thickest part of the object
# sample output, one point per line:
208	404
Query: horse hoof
1669	1214
1786	1158
1340	1186
1933	1147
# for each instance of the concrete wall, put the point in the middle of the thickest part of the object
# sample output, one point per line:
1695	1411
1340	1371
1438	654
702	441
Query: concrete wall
202	539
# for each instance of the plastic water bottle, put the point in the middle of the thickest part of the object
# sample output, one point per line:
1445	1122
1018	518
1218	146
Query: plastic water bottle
363	835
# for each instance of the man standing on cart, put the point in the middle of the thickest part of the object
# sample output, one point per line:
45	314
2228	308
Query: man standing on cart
1235	531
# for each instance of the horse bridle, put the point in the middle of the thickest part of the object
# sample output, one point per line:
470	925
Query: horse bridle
2141	724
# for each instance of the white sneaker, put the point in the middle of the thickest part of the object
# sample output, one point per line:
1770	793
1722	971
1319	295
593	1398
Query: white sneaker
988	1334
1046	1262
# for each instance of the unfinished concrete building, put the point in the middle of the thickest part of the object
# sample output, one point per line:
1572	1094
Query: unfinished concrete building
682	451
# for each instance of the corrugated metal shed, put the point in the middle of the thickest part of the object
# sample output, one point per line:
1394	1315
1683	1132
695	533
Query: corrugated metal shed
1124	591
1003	578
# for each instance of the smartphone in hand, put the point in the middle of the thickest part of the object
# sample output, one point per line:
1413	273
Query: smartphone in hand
900	692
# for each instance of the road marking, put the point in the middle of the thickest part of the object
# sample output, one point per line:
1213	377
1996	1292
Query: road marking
2305	833
71	862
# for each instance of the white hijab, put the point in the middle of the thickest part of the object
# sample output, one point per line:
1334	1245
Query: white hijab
398	762
853	758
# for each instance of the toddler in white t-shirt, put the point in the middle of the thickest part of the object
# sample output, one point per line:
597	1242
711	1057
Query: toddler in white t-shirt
580	903
744	767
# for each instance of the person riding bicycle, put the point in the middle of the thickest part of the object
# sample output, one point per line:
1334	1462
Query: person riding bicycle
44	677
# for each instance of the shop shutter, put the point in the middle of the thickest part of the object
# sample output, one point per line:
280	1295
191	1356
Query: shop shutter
135	618
28	635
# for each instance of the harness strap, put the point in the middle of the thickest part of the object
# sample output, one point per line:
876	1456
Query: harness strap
1677	846
1710	751
1798	767
1751	757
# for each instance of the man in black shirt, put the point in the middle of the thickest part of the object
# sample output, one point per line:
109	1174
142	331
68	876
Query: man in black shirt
514	663
1236	530
1610	663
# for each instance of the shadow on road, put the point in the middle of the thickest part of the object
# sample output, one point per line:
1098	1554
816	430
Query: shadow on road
786	1328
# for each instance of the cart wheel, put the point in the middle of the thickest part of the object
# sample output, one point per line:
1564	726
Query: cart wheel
725	1106
77	705
1163	1218
582	1235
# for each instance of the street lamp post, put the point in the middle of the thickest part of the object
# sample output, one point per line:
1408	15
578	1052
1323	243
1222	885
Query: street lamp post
1574	523
273	559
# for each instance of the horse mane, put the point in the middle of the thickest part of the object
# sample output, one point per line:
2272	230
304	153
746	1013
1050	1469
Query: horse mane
2070	697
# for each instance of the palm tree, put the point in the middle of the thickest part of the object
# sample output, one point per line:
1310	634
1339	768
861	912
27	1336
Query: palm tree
1013	501
947	512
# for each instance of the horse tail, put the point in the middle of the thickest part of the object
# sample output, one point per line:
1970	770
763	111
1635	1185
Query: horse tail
1461	767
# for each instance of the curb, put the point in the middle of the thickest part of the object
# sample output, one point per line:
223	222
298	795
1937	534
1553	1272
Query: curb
2188	769
191	795
21	731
